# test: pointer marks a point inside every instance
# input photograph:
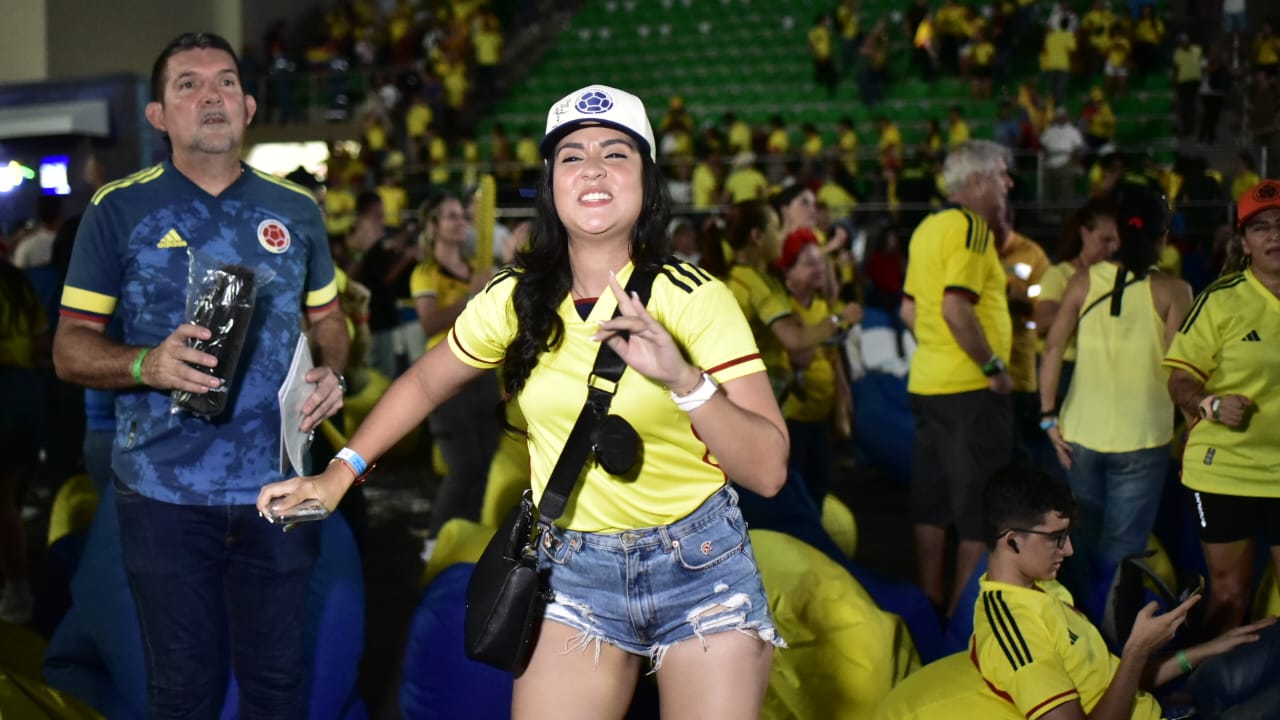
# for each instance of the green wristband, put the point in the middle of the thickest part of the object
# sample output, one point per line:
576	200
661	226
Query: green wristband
136	367
1183	662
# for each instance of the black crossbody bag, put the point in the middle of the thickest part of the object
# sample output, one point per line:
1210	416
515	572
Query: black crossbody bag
506	595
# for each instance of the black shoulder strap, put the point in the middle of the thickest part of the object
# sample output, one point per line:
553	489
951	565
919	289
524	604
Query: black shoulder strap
1113	295
601	385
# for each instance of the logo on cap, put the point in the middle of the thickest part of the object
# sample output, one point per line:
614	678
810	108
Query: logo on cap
594	102
1135	222
1266	191
273	235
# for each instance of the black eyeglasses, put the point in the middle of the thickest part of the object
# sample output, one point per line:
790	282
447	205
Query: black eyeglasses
1059	537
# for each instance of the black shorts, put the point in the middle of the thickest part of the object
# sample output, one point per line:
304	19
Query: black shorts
1232	518
961	440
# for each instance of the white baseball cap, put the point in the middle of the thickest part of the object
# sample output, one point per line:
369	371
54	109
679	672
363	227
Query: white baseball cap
598	105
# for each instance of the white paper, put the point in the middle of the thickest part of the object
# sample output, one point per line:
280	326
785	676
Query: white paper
295	444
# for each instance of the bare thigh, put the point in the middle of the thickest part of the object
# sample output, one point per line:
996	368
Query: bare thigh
569	684
727	679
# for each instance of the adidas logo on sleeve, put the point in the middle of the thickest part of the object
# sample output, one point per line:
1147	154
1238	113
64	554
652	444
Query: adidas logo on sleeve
1252	337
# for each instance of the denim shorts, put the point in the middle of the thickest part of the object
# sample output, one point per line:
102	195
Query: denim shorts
645	590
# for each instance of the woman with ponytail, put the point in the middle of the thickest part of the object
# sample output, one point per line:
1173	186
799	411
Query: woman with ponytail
1113	431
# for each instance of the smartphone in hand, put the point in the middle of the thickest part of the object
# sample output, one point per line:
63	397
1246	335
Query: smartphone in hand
305	511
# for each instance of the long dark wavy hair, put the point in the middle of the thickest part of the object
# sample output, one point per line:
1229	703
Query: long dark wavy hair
545	276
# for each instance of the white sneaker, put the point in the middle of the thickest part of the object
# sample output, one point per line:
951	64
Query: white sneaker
16	602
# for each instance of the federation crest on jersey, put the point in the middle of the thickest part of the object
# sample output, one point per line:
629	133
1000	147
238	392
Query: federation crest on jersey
273	235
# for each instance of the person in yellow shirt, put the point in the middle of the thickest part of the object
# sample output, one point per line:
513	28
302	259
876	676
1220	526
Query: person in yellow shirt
1225	379
527	156
395	200
1096	26
889	145
438	159
955	303
417	117
487	44
1116	69
1099	120
817	397
738	133
1246	175
1188	67
1055	59
847	21
824	64
694	392
957	128
705	183
779	140
1035	648
1266	50
847	144
339	206
745	182
982	59
1113	431
1025	264
1148	33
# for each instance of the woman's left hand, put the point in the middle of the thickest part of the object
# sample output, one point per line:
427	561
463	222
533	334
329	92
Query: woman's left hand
647	347
1061	447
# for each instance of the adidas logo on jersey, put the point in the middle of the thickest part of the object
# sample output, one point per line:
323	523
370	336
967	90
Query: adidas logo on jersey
171	239
1252	337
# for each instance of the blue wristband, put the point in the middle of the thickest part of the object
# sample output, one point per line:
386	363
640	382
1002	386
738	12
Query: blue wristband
352	458
1048	423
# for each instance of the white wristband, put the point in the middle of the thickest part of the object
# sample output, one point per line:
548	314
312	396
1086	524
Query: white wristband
698	396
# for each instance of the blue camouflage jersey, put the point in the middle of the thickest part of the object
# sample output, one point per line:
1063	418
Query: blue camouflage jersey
131	261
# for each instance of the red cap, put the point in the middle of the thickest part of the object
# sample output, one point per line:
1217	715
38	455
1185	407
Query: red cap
792	245
1263	196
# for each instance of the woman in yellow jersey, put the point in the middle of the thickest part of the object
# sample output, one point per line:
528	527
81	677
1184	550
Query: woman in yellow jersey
817	397
1113	431
755	241
657	564
1226	378
464	427
23	340
1089	237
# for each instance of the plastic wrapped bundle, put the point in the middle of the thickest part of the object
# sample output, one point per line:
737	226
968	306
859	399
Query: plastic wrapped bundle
220	299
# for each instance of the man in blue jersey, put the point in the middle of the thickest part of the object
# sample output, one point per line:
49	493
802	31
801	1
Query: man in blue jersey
211	581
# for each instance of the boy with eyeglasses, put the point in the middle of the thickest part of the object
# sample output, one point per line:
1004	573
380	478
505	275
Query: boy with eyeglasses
1035	650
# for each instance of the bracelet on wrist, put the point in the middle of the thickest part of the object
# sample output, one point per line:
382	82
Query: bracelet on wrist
698	396
136	367
1048	423
355	463
994	366
1210	406
1183	662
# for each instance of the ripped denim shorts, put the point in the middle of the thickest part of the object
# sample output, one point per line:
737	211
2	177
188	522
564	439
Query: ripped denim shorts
645	590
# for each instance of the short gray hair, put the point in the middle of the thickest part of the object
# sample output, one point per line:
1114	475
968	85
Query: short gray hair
971	157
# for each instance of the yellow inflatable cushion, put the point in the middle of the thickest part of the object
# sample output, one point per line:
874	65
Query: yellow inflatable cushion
844	653
949	688
1267	603
73	507
460	541
840	524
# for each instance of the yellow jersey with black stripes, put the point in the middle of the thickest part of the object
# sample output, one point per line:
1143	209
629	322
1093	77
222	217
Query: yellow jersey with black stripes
1035	650
431	279
132	261
677	472
953	251
763	299
1228	342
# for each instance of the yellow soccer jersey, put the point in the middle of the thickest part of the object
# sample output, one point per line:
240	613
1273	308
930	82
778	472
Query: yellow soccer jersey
745	184
1037	651
817	381
779	141
953	251
848	144
1228	342
431	280
704	186
764	301
678	472
394	202
958	133
1053	286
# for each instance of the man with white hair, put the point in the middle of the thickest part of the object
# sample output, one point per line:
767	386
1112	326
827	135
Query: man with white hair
959	386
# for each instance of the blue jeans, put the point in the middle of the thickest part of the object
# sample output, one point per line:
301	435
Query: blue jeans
212	585
646	589
1240	685
1118	495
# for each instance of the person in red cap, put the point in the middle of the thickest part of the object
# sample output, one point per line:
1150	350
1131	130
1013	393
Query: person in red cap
817	396
1226	378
